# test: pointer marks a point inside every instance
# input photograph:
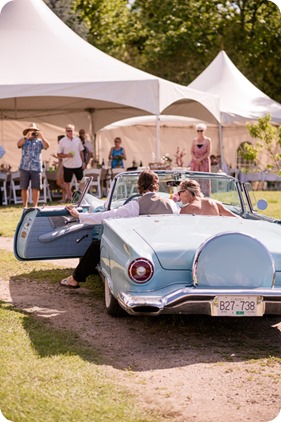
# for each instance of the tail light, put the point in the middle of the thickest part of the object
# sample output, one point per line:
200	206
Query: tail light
140	270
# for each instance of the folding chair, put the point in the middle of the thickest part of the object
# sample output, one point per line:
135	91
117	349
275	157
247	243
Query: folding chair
3	187
15	190
96	182
45	192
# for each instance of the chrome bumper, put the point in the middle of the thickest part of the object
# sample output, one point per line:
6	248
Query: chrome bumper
196	301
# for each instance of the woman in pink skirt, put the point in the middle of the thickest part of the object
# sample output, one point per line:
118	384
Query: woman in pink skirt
200	156
201	150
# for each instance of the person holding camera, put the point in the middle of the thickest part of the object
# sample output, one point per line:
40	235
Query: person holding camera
32	143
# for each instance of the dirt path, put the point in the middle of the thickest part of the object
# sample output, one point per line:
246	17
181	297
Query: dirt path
181	368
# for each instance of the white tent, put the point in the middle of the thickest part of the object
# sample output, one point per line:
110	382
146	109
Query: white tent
240	100
138	138
47	70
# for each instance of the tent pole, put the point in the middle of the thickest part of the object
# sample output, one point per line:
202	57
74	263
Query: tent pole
92	129
223	166
158	140
15	108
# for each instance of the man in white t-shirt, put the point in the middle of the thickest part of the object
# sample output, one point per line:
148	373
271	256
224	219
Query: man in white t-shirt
70	149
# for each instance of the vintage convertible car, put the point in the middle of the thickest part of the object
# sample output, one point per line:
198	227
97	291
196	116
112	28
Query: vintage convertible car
153	264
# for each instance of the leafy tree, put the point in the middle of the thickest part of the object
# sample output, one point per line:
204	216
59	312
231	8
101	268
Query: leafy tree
108	25
266	154
177	39
64	10
183	37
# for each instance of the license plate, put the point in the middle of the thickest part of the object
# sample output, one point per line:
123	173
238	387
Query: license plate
237	306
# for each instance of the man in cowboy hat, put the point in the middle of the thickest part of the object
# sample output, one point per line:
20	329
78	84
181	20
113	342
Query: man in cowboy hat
32	143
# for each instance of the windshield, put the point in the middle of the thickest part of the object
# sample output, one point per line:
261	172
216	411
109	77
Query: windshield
220	187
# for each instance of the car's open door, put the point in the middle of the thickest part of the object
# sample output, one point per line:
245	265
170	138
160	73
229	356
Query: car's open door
51	232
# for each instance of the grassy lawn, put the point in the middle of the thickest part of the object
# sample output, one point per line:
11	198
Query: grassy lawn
273	199
50	375
47	374
9	217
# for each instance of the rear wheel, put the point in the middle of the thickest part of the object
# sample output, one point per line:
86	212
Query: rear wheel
112	306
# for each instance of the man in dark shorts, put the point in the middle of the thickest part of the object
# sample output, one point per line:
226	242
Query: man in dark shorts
70	149
32	143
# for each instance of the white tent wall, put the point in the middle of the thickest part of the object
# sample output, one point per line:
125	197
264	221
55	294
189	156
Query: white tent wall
139	139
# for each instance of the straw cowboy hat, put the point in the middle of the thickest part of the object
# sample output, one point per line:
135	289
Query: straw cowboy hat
32	126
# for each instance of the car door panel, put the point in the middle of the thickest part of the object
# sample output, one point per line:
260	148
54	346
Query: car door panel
43	234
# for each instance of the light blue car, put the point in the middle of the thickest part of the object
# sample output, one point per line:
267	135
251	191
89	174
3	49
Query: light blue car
169	264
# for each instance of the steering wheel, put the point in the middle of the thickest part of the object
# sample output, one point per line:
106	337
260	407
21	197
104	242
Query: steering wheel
131	197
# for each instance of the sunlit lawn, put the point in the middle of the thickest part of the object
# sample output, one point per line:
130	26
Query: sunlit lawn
46	374
49	375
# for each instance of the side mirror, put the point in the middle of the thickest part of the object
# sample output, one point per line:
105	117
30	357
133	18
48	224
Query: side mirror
262	204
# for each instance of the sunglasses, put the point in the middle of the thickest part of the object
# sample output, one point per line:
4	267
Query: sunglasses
200	130
69	130
180	191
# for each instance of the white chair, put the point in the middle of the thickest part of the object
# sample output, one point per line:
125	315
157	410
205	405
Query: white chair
74	185
15	190
115	171
3	187
96	182
45	192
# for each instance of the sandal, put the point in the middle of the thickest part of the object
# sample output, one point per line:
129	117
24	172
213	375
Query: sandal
65	283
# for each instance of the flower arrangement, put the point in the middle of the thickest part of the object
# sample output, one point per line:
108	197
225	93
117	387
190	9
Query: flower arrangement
5	168
166	159
179	157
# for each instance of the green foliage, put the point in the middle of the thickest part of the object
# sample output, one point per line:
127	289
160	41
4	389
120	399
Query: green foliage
64	10
266	154
108	24
176	40
248	152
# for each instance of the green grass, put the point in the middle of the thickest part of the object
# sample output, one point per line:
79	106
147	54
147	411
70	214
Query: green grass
48	375
9	217
273	199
